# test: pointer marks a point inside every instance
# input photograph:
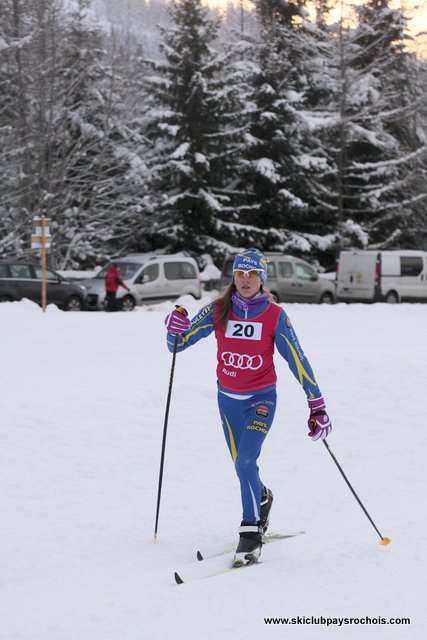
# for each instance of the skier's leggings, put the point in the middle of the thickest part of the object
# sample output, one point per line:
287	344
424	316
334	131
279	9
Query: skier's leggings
246	423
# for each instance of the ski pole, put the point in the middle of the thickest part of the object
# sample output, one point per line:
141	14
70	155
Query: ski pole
384	541
165	426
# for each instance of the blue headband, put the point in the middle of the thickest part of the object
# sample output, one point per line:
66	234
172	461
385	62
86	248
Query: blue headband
252	260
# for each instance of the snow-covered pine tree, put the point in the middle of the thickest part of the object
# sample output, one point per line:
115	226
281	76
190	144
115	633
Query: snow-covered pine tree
318	110
136	148
80	146
239	46
192	128
285	162
382	159
268	166
19	70
67	150
96	188
285	12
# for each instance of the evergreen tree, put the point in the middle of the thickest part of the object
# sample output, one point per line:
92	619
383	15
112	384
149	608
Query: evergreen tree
383	157
87	172
282	12
192	129
286	167
293	135
67	150
28	85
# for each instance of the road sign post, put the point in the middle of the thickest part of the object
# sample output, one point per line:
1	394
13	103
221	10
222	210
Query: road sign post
41	239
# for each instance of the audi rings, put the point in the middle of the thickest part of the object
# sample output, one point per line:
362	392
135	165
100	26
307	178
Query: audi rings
241	360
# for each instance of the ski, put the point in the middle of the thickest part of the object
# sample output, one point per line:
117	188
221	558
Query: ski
221	562
266	539
209	568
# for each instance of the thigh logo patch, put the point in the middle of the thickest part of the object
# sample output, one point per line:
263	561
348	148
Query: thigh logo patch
262	410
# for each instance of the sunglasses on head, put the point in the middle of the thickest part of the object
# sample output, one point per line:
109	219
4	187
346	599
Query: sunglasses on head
253	273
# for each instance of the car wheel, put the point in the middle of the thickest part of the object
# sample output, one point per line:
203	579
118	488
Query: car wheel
327	298
127	304
392	297
274	294
74	303
5	298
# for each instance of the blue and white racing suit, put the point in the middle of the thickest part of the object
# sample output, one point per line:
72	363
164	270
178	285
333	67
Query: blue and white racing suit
246	410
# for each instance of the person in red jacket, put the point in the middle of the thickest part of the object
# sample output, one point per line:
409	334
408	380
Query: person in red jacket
113	280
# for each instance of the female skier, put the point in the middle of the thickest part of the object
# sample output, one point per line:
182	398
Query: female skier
247	324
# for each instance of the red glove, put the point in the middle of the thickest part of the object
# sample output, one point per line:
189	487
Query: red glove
319	422
177	321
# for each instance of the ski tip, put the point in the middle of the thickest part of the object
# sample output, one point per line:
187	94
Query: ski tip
178	578
199	556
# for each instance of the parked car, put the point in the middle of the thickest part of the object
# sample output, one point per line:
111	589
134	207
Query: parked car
382	276
151	278
290	279
20	279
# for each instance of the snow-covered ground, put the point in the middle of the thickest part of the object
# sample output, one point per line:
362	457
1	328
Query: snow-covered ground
83	399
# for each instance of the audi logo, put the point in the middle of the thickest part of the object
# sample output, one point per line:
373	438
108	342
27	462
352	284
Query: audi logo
241	360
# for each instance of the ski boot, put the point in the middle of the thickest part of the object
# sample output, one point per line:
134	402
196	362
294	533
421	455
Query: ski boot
249	548
266	504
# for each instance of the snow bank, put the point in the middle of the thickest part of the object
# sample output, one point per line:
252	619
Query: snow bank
82	420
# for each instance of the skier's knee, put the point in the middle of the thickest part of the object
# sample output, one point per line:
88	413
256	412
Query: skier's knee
243	464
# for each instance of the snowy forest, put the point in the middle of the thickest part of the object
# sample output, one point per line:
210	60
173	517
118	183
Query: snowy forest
138	126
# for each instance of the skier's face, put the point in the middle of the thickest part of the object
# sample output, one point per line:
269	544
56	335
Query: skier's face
248	283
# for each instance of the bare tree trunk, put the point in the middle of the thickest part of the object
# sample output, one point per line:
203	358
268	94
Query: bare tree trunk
21	109
343	124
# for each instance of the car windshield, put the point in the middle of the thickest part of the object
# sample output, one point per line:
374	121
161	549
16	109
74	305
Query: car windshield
127	269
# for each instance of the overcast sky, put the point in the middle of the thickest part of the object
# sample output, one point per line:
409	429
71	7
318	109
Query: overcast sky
415	9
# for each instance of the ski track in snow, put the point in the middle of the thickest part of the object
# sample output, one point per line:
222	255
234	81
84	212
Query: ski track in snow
83	400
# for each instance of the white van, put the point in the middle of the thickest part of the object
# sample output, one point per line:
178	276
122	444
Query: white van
151	278
382	276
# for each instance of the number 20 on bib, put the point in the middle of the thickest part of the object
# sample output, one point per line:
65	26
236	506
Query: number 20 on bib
244	330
